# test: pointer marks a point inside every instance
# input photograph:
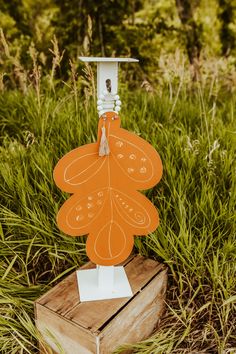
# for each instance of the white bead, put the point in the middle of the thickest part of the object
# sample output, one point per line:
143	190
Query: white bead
117	108
118	103
99	108
117	97
101	97
100	113
99	102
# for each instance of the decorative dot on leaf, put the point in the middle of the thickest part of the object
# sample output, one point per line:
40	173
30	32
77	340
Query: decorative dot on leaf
120	156
119	143
79	217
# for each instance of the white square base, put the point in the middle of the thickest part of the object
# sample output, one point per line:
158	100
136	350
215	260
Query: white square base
89	290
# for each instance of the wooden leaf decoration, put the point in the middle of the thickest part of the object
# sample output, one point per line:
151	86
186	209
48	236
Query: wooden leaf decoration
106	203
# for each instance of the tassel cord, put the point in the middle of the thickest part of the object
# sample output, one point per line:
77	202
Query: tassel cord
104	146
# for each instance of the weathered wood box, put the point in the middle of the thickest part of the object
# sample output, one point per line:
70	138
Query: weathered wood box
99	327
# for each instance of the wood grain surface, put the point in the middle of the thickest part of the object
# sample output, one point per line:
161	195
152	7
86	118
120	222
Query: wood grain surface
100	326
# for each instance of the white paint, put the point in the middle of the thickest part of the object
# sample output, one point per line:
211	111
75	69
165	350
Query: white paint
89	289
107	71
104	59
107	82
105	277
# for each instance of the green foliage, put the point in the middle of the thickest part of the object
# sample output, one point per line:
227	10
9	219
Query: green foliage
191	123
192	127
227	14
144	29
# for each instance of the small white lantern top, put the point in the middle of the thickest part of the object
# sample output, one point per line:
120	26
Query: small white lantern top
107	81
105	60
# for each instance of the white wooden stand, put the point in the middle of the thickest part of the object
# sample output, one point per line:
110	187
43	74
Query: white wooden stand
105	282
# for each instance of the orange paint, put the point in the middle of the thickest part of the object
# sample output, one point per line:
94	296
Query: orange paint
106	203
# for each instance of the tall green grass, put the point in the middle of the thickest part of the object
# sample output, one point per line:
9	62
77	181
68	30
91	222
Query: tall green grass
194	131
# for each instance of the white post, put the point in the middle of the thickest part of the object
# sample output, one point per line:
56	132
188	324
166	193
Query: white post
105	277
105	282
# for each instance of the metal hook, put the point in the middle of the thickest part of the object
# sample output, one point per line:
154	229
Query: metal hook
108	85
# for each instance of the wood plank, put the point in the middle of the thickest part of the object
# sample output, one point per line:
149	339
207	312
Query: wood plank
93	315
57	330
139	317
64	295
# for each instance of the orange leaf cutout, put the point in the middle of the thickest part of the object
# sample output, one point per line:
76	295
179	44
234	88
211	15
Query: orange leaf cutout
106	203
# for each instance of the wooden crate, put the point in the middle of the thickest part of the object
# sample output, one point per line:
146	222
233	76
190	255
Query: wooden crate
99	327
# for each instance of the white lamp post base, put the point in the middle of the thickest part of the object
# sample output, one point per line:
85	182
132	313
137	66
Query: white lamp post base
103	283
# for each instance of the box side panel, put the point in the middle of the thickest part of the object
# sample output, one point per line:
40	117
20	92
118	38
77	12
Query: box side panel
63	336
138	319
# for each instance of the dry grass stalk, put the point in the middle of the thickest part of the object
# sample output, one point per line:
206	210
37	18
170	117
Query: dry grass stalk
36	74
56	61
17	72
74	78
2	82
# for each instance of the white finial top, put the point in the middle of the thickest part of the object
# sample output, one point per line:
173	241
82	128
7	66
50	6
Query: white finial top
107	82
105	60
